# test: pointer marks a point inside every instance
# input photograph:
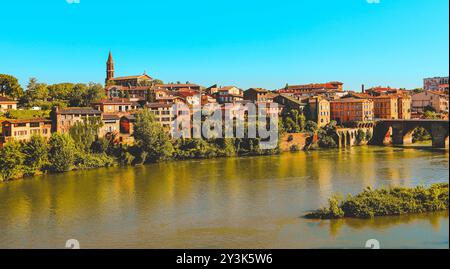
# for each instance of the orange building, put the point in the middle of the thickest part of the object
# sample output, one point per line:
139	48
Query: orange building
22	130
404	107
351	109
386	107
320	110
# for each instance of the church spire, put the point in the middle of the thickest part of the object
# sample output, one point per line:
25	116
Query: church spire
109	68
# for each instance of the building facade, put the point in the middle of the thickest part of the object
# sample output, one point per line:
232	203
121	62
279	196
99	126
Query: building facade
437	100
320	110
64	119
351	110
258	95
163	113
386	107
115	105
23	130
7	104
434	84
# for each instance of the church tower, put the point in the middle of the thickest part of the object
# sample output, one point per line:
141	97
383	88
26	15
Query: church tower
109	68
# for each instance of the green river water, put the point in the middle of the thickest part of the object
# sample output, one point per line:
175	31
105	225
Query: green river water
250	202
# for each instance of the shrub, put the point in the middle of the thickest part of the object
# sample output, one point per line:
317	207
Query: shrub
35	152
85	160
62	152
387	202
11	160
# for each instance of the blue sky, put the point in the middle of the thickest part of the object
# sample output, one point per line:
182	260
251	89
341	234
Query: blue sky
248	43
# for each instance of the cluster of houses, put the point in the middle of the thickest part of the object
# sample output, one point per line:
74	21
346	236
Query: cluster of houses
323	102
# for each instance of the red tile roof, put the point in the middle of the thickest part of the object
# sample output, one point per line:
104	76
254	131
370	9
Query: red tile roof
313	86
6	100
28	120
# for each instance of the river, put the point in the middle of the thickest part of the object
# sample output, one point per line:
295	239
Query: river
250	202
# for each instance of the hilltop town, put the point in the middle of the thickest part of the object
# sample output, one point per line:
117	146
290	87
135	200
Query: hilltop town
122	97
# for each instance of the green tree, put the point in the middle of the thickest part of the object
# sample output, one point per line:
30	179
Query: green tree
60	91
311	126
11	160
35	92
36	154
95	92
77	95
61	153
430	115
152	140
10	86
85	132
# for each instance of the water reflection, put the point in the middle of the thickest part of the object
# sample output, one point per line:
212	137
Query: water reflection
251	202
381	223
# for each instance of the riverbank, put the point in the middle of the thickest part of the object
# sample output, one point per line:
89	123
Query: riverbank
392	201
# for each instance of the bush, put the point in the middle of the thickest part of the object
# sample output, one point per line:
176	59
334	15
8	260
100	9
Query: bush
387	202
11	160
152	140
62	152
85	160
36	157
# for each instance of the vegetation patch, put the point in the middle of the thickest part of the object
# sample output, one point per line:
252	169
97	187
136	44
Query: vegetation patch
392	201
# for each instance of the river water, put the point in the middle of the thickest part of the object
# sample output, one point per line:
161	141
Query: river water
250	202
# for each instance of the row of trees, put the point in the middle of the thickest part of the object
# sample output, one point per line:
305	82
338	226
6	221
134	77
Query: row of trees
82	149
47	96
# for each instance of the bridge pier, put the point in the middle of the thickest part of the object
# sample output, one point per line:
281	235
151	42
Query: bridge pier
439	136
401	135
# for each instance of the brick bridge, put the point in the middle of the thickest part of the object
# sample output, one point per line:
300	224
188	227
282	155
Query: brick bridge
402	130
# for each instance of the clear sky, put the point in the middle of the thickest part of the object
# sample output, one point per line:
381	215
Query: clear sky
247	43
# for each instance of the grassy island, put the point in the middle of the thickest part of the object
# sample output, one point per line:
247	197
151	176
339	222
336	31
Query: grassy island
392	201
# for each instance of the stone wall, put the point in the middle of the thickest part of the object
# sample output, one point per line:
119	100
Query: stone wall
288	140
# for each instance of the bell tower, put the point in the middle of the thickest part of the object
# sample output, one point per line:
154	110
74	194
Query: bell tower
109	68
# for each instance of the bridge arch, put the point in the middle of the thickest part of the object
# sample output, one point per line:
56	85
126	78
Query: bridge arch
402	131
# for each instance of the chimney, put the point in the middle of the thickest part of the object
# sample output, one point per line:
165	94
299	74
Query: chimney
363	88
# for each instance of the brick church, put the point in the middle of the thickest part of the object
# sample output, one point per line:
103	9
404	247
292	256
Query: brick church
128	81
133	86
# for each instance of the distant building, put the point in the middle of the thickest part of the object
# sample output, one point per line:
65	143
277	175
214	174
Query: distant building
133	93
379	91
313	89
128	81
320	110
351	110
64	119
436	100
386	107
22	130
7	104
388	104
115	105
435	84
164	114
111	125
289	102
404	107
179	87
258	95
228	94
